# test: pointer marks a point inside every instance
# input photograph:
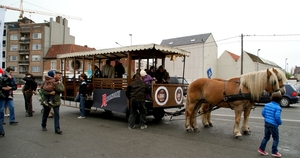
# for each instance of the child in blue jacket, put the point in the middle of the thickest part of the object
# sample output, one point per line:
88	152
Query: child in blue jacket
272	116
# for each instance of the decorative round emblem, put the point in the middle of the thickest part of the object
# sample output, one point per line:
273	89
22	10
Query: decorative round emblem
77	64
178	95
161	95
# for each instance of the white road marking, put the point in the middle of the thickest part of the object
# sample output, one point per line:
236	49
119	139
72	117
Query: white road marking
288	120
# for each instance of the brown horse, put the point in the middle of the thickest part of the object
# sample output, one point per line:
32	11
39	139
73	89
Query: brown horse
206	109
235	93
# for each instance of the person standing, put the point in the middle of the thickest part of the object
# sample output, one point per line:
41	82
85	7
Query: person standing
82	95
272	117
98	73
151	71
119	69
108	71
48	86
161	75
135	92
137	71
58	89
28	90
7	98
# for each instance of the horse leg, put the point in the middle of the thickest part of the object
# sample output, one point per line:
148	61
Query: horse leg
204	115
188	114
245	126
209	120
238	112
194	118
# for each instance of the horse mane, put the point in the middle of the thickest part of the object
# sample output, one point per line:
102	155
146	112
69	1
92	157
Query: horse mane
281	74
256	82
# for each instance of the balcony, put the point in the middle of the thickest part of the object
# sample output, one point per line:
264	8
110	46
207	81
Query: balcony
22	72
24	51
24	62
25	29
24	40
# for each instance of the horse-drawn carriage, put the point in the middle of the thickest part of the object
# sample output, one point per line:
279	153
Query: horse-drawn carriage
109	93
238	93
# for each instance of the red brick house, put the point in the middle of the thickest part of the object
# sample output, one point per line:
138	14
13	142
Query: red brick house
52	63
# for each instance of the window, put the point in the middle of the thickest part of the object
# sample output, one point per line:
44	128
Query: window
36	47
53	65
14	37
62	66
14	48
35	69
24	47
13	58
23	69
15	68
3	54
89	66
37	35
35	58
4	43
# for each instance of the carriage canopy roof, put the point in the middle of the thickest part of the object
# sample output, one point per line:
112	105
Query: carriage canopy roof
137	51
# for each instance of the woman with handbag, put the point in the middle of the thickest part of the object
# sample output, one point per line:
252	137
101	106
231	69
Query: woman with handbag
82	95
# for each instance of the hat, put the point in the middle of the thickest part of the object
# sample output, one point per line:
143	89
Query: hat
143	73
57	72
51	73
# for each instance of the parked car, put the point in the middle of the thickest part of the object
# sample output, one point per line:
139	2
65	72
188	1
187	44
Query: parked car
290	97
297	87
180	80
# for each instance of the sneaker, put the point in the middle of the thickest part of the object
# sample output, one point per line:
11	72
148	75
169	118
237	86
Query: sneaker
44	128
143	126
81	117
131	127
262	152
45	103
6	115
277	154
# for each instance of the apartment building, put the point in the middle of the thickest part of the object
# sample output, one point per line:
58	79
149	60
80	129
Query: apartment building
26	44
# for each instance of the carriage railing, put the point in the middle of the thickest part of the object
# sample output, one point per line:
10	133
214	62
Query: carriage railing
72	86
110	83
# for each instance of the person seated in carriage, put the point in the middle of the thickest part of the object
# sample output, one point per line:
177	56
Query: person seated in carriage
162	76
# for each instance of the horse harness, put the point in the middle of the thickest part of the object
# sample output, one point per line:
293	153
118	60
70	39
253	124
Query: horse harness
229	98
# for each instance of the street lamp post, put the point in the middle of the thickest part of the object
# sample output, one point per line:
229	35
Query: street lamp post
285	65
130	39
257	60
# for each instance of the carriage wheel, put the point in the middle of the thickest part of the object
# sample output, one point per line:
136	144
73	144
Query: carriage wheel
158	114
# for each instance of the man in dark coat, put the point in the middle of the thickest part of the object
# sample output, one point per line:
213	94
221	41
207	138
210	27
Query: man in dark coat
136	93
119	69
28	90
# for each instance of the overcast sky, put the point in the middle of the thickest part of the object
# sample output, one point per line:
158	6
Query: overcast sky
109	21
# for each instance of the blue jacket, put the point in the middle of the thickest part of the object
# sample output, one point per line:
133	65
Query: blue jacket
272	113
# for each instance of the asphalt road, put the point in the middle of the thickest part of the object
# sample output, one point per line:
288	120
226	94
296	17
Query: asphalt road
106	135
